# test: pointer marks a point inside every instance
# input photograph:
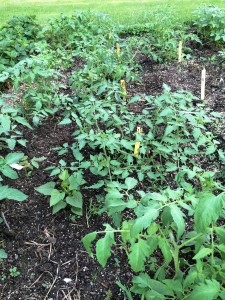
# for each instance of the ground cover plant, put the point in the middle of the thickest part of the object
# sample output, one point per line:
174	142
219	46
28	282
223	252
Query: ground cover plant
117	167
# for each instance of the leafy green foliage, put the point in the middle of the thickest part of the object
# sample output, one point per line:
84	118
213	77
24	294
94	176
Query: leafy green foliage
17	40
177	212
67	194
210	22
160	38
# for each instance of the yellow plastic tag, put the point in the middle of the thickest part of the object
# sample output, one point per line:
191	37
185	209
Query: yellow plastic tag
123	85
118	50
136	148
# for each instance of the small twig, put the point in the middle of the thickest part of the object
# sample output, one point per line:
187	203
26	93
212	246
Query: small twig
77	270
5	221
53	283
39	278
66	263
36	280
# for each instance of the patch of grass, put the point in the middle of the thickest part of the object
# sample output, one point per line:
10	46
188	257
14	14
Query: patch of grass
122	11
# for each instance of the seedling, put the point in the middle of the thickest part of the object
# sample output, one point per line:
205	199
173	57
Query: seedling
14	272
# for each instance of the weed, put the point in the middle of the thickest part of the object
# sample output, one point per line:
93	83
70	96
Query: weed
14	272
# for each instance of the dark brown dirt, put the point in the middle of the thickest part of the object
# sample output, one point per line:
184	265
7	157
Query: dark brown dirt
47	249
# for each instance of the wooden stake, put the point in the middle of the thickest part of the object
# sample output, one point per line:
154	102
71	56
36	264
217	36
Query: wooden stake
203	84
180	52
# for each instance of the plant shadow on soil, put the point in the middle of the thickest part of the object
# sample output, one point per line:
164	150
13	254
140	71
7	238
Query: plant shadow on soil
47	249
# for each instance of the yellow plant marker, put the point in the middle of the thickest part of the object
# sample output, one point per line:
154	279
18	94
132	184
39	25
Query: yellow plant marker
118	50
139	130
136	148
137	144
123	85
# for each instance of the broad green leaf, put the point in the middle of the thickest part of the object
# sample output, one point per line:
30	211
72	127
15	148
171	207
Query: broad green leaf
221	155
22	121
3	192
115	205
114	194
171	167
165	248
208	209
211	149
220	232
161	288
103	248
169	129
14	194
9	172
203	253
158	197
22	142
196	133
130	183
99	184
145	221
144	282
190	279
13	158
59	206
141	176
221	248
46	188
75	200
64	175
127	145
54	172
138	254
175	285
166	112
178	218
207	291
87	241
5	123
3	254
76	180
56	197
151	294
36	120
65	121
11	143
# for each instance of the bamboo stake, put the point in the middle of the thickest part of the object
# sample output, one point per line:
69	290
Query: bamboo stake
203	84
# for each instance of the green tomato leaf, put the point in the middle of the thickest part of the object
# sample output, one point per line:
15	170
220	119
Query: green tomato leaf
207	291
145	221
138	254
178	218
87	241
208	209
103	248
203	253
131	182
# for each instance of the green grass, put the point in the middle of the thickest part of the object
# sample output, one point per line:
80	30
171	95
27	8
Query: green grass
122	11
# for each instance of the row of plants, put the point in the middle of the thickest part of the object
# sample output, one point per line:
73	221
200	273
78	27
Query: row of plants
166	209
